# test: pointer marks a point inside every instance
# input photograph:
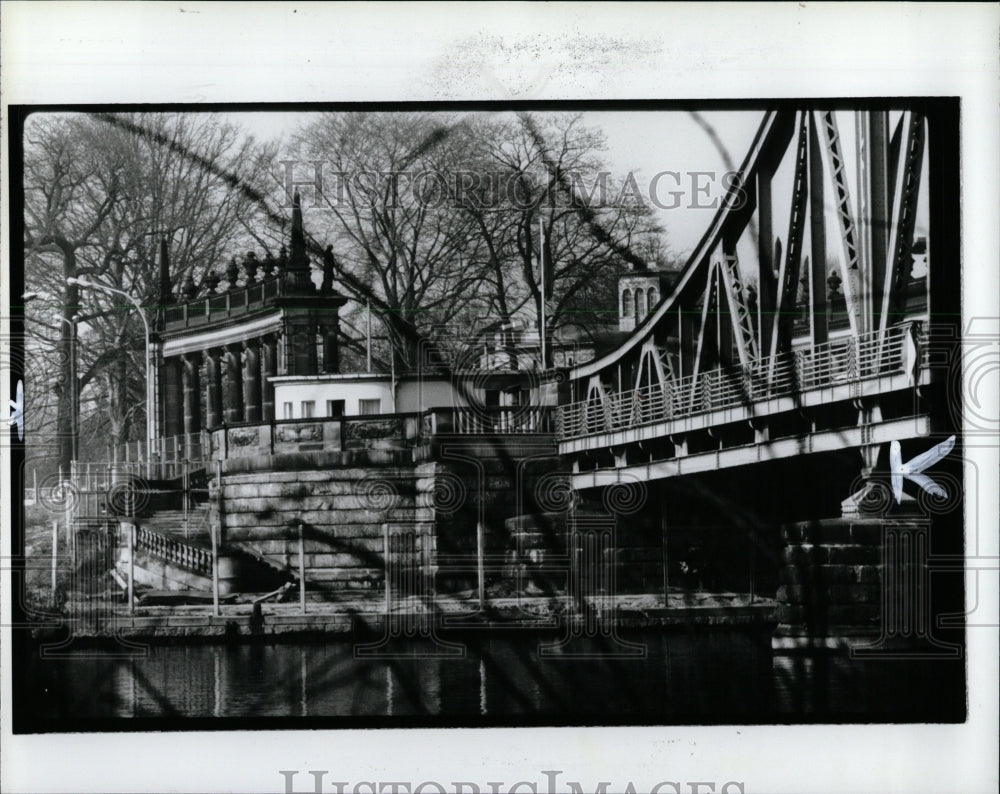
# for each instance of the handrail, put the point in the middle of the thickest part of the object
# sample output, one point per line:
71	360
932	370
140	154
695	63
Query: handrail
831	363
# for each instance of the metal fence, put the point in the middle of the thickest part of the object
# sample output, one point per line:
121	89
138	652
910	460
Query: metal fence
829	364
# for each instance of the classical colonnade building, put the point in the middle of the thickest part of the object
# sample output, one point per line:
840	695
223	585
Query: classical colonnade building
217	352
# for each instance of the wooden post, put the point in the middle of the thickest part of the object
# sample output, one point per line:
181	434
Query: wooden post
215	570
481	565
665	558
55	555
302	569
387	571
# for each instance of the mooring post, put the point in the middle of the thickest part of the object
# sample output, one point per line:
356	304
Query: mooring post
55	554
302	569
481	565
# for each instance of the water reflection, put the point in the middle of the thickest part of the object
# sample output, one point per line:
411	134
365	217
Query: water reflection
710	676
496	676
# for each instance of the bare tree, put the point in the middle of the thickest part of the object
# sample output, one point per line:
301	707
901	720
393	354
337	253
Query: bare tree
100	193
548	183
386	209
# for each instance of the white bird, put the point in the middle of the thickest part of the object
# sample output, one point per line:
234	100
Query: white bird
17	411
912	468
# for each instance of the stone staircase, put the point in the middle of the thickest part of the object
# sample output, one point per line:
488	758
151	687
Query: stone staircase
536	561
173	551
192	526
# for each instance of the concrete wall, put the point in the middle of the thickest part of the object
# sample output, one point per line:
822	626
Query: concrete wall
419	394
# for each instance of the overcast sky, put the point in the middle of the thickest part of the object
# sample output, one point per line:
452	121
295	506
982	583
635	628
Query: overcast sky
645	143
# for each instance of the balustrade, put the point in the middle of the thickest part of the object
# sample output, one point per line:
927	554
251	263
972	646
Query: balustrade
217	308
174	550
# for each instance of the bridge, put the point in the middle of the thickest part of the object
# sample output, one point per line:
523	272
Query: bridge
801	323
732	443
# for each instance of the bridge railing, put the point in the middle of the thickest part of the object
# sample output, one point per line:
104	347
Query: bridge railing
832	363
491	420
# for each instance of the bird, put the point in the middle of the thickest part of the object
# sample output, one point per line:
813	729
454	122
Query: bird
17	411
911	470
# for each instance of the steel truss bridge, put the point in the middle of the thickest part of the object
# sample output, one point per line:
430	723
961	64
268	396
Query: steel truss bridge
801	323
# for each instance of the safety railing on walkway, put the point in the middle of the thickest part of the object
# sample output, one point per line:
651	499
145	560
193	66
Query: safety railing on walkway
491	420
829	364
172	457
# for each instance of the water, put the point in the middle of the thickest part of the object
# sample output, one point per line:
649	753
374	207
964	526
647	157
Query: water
707	677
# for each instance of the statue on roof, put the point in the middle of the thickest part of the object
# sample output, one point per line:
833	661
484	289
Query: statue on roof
329	266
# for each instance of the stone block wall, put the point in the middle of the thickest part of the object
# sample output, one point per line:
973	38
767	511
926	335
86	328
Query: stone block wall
342	504
480	483
832	574
344	500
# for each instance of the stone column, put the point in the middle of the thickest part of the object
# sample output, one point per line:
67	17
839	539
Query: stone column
300	346
213	388
251	381
234	385
192	393
331	351
269	354
173	417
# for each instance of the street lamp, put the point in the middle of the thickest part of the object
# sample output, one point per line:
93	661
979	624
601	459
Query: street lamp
150	407
74	399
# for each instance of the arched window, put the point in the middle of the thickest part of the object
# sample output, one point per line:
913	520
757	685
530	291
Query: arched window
651	298
627	303
640	301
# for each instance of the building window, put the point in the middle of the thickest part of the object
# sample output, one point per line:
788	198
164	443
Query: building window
286	412
650	298
369	407
627	303
639	300
334	407
308	408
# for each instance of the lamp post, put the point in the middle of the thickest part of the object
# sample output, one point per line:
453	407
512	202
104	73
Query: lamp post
150	407
74	400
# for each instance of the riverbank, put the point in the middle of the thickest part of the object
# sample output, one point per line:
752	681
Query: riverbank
101	618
